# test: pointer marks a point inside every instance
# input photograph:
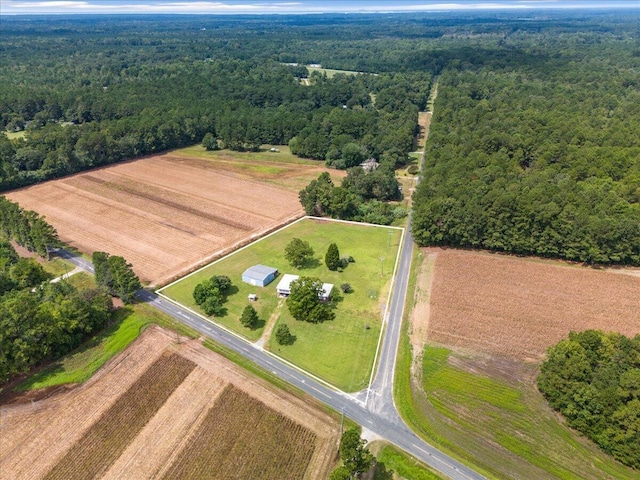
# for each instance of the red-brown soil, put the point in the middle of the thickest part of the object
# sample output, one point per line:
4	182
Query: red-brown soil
163	214
519	307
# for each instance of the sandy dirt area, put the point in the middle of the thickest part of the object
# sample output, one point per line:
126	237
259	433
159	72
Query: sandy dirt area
37	436
164	214
518	307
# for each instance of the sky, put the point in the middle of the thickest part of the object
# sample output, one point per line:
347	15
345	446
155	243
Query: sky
9	7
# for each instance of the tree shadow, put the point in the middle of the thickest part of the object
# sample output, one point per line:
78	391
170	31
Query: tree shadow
310	263
259	324
381	472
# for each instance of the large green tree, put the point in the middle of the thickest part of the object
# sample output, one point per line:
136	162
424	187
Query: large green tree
304	301
298	252
116	275
249	317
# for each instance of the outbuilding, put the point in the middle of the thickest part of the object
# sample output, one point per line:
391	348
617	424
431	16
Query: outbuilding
325	294
259	275
284	285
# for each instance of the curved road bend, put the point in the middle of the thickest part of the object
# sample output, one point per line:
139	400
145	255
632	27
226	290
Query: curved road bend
381	418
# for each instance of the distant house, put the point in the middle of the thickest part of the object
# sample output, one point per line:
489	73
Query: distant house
259	275
370	165
284	287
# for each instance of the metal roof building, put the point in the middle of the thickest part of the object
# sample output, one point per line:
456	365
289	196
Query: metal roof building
259	275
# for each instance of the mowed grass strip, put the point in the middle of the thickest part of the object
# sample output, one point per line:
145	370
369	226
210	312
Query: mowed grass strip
340	351
108	437
242	438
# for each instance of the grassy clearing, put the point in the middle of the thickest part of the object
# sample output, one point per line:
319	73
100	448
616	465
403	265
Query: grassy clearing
81	364
503	429
14	135
390	458
340	351
264	155
330	73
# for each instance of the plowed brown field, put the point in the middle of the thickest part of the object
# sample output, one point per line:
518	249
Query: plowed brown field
168	410
163	214
518	307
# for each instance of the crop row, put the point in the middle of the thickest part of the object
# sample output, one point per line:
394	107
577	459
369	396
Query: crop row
243	438
108	437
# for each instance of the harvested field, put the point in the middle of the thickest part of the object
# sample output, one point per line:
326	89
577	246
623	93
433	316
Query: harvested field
168	407
163	214
223	435
518	307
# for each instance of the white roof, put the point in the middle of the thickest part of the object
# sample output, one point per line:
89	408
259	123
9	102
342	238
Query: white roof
285	281
326	289
259	272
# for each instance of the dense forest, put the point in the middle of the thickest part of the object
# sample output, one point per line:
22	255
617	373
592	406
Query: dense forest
534	147
540	158
593	379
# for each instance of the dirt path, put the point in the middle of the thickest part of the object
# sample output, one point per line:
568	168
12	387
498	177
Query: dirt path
419	318
271	323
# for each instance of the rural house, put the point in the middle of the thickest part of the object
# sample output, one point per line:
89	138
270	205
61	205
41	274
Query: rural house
259	275
370	165
284	287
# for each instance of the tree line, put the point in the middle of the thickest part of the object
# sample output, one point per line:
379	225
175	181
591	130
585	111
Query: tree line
593	379
27	228
41	321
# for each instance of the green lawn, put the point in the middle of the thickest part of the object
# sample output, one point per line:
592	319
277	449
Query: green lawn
82	280
81	364
341	351
330	72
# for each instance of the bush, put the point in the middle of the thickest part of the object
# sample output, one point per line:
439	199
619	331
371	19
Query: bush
413	170
346	288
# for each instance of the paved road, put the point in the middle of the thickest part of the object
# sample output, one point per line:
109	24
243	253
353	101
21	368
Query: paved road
378	415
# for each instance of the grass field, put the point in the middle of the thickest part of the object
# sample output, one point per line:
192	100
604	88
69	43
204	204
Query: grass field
330	73
14	135
341	351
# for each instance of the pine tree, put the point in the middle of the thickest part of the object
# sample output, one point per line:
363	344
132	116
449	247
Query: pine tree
332	258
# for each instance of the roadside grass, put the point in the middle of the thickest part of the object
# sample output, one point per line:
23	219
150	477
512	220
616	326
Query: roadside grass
341	351
81	364
503	429
58	267
391	459
81	280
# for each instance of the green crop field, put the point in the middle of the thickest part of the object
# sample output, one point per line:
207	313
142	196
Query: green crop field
340	351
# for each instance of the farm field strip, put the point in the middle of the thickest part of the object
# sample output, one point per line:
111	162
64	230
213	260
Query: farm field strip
150	415
163	215
169	429
47	429
222	436
518	307
103	443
